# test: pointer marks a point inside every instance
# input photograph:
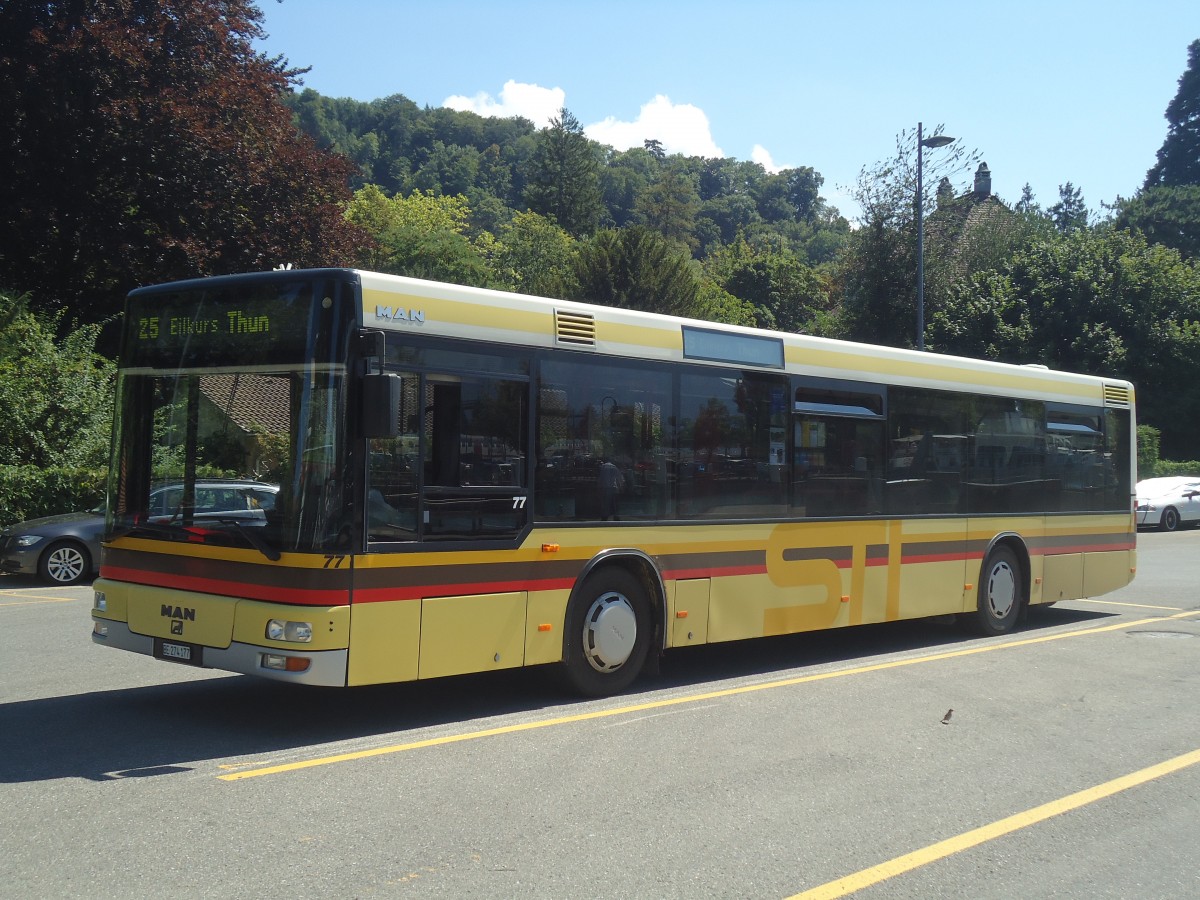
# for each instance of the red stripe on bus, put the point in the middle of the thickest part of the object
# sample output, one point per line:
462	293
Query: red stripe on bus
236	589
938	557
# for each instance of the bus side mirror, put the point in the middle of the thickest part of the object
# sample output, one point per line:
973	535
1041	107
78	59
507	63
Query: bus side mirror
381	395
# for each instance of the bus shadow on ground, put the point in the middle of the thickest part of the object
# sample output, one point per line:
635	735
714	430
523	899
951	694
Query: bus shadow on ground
164	729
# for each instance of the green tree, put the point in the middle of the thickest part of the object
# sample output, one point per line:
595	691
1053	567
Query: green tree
1100	301
447	169
876	274
420	235
727	216
146	140
623	181
790	195
564	176
1167	208
535	256
1179	157
56	393
1167	215
1070	213
1027	204
715	304
636	268
669	205
655	148
785	293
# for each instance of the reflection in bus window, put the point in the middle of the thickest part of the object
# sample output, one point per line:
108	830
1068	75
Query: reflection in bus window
838	468
927	448
731	432
1006	472
1081	459
457	468
602	448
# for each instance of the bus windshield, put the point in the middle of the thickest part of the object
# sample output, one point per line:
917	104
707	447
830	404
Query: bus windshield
207	450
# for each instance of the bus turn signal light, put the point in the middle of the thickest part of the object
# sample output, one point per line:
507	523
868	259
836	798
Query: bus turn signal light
285	663
550	548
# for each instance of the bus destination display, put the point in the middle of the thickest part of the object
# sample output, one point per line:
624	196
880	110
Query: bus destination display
268	324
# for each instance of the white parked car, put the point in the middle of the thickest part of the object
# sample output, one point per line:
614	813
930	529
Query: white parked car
1168	503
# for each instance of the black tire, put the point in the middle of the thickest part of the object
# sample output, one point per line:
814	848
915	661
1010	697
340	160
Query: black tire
1002	593
1169	520
65	563
607	634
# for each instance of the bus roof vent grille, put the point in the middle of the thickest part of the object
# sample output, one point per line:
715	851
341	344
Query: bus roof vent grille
1117	395
573	329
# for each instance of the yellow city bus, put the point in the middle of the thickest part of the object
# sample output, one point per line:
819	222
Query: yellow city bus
460	480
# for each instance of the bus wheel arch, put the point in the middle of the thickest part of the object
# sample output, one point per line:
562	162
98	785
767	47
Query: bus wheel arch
613	623
1002	597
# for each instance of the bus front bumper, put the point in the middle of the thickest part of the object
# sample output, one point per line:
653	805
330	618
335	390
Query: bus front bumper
326	668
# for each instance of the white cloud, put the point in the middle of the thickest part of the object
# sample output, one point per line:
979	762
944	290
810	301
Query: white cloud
762	156
538	104
681	128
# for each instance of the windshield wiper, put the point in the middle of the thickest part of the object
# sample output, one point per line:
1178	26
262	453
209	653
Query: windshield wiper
180	533
253	538
171	533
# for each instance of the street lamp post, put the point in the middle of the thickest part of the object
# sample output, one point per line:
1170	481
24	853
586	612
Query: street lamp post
937	140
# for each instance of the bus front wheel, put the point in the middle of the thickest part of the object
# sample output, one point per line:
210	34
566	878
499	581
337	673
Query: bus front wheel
1001	593
607	633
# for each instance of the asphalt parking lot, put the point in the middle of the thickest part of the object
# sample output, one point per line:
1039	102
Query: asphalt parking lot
831	763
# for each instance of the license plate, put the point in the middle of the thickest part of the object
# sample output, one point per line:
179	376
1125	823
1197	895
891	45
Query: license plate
173	651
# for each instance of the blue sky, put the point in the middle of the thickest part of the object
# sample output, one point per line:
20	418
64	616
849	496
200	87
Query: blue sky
1048	92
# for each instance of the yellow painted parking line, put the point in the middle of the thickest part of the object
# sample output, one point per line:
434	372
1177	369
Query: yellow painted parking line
678	701
1128	605
902	864
34	601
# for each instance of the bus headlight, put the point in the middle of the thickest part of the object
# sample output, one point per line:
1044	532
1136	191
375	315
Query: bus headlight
293	632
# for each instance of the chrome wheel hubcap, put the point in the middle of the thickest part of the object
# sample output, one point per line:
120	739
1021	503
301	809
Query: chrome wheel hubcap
609	632
1002	590
65	564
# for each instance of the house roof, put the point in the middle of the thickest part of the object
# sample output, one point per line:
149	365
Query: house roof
250	401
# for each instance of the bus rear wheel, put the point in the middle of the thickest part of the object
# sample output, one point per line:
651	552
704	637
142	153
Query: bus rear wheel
607	634
1001	593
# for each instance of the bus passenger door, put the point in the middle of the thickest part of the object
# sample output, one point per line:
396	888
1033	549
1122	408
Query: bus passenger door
457	470
925	499
474	461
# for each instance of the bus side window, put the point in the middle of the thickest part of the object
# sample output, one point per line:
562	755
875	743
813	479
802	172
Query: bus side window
926	449
838	466
443	460
392	473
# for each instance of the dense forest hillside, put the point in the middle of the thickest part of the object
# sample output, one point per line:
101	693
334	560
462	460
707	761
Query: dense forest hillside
495	164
